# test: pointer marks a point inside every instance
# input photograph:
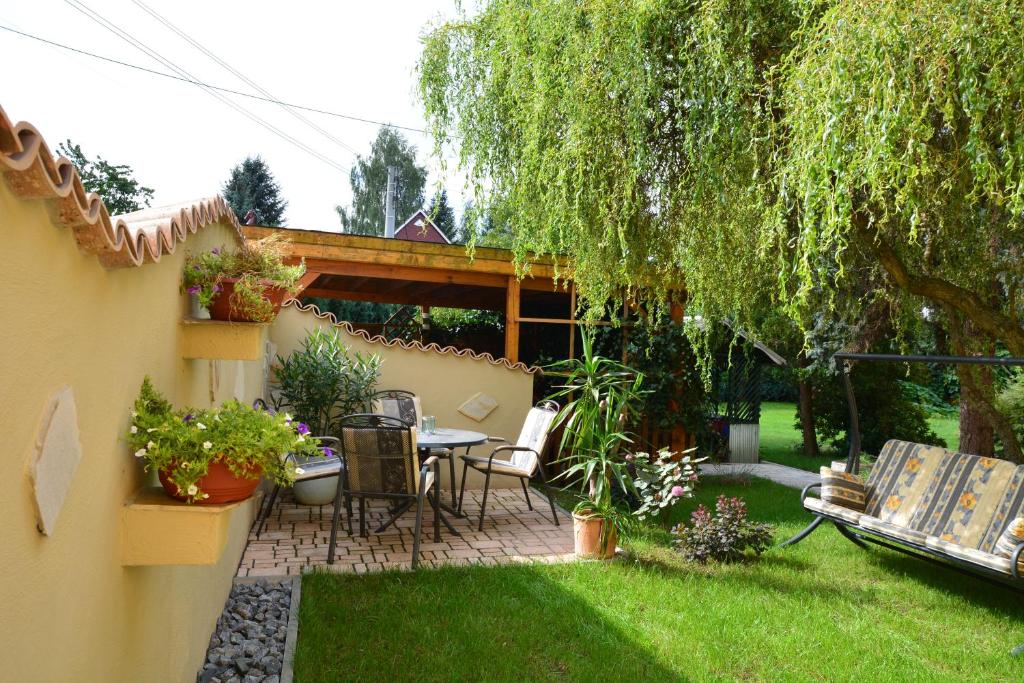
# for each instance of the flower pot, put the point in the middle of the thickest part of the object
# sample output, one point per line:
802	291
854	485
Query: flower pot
316	491
220	483
586	531
222	309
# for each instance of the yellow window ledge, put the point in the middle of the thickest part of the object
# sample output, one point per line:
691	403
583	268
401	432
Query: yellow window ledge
158	530
220	340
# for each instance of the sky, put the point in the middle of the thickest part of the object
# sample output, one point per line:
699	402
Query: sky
349	57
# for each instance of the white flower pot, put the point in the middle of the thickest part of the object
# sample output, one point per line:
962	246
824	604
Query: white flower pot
316	491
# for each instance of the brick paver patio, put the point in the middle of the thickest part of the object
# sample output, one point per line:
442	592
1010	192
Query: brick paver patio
296	537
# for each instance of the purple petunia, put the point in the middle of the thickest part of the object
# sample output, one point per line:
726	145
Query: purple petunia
216	251
216	289
194	289
328	452
302	428
188	418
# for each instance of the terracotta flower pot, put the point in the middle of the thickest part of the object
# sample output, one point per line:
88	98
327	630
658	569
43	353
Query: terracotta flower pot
587	535
220	483
221	308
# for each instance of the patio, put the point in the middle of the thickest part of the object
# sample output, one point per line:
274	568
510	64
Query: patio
296	537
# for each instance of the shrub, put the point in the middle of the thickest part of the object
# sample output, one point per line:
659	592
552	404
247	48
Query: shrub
184	443
726	536
663	479
322	382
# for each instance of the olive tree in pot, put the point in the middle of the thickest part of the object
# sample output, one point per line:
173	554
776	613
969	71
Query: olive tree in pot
319	384
600	394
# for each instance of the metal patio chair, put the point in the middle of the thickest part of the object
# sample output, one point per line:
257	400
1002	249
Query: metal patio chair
406	406
524	461
379	457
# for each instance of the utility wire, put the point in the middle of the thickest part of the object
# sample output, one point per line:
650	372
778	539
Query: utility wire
185	36
164	74
127	37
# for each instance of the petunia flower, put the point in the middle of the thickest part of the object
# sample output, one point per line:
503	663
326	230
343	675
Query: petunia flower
300	439
134	430
140	453
303	428
188	418
299	470
194	289
207	445
200	425
328	451
193	490
150	445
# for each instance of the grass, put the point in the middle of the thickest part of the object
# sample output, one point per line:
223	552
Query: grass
823	611
781	439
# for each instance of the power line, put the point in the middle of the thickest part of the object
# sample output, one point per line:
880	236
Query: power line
131	40
185	36
164	74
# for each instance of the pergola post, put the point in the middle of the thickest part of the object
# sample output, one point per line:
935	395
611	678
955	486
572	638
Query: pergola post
512	320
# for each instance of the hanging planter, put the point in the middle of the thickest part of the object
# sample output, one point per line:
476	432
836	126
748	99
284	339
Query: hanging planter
247	285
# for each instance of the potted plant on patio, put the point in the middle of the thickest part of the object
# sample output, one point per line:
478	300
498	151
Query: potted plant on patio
216	455
245	285
600	394
319	383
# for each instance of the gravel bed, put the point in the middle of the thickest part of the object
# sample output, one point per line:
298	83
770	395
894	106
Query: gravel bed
247	646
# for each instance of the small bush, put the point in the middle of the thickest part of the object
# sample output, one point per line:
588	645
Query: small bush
725	536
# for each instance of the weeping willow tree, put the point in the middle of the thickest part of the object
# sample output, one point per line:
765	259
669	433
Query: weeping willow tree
844	159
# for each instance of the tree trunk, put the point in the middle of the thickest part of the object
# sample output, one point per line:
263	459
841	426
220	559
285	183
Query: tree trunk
810	437
976	434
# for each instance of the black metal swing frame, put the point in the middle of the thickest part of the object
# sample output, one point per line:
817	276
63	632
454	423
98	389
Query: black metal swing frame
862	537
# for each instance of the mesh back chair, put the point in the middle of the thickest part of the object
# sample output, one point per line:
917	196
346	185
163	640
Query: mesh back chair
524	458
379	456
307	470
405	405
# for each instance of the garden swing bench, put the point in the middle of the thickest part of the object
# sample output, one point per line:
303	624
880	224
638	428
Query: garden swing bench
951	509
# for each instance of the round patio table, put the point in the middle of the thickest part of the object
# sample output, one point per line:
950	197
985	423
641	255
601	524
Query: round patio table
449	438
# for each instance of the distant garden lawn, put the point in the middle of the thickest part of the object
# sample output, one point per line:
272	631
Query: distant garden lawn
780	438
824	610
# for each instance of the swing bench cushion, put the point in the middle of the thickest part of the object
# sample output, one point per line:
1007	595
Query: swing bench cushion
840	488
1010	539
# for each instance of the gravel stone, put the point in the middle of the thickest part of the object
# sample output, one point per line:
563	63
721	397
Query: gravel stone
247	646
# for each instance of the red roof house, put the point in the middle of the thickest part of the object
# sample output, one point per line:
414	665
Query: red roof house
419	228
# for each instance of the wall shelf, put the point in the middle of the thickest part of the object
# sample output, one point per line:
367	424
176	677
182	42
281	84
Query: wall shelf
158	530
220	340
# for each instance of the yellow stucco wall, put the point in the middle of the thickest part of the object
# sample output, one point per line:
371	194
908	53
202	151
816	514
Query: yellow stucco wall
442	381
68	610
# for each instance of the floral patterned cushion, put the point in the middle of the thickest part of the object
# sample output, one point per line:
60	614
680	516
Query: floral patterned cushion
1010	539
840	488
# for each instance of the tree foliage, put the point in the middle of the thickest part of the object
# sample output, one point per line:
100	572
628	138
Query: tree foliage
369	180
115	183
831	153
443	215
252	187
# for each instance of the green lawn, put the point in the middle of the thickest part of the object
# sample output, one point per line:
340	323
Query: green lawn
822	611
780	438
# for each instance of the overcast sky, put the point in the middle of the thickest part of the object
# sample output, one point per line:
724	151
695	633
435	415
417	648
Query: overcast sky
349	57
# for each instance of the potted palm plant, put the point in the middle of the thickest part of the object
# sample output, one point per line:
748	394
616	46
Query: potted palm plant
599	395
319	383
245	285
215	455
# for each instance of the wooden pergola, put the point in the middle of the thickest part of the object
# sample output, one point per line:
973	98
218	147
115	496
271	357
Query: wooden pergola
360	268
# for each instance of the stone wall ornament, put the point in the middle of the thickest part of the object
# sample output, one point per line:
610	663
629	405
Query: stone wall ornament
58	452
478	407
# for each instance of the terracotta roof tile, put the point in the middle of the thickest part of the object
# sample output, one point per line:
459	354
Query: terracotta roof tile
420	346
31	172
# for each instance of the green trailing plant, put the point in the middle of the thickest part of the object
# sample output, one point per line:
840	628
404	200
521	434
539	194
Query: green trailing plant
662	479
725	536
183	443
256	265
323	381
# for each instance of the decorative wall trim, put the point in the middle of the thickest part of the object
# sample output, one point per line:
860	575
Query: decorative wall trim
414	345
133	239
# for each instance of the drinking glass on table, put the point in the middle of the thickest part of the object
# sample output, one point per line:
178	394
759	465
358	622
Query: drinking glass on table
429	424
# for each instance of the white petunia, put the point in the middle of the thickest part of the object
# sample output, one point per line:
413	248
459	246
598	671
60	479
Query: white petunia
151	430
141	452
299	470
193	490
300	439
207	445
200	425
216	418
150	445
134	414
134	430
